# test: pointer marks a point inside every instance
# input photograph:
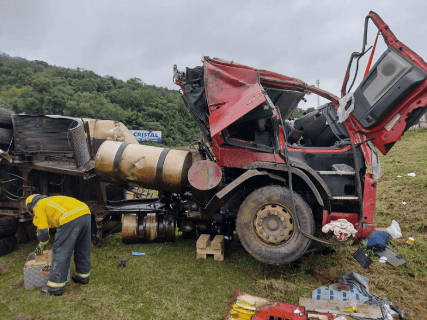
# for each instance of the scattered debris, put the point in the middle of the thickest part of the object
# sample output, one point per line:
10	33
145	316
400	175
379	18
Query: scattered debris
385	251
399	176
351	308
298	312
410	241
122	263
342	229
382	260
246	306
352	290
316	316
393	258
412	174
250	307
138	253
378	240
341	291
394	230
362	257
403	202
348	298
361	284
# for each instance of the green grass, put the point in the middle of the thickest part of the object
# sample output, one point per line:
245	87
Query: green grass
169	283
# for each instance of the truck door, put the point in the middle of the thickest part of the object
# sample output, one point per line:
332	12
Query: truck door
393	94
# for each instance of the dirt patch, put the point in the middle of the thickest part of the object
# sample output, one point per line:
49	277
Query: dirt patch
266	271
266	286
4	267
17	284
22	316
240	267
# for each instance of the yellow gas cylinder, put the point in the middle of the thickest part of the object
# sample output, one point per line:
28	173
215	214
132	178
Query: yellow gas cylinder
242	310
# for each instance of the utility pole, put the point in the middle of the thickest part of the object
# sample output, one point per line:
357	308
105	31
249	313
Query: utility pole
318	97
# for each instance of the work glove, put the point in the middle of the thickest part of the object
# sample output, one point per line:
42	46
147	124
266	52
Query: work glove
39	249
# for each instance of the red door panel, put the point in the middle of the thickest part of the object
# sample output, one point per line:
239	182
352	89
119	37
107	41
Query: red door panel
393	95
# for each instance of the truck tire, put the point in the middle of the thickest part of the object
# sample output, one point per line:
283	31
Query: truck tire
8	226
6	118
7	245
5	137
267	228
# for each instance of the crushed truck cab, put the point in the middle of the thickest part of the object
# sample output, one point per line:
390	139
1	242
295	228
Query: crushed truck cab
316	169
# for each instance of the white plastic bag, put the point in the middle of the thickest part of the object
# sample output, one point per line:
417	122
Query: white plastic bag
394	230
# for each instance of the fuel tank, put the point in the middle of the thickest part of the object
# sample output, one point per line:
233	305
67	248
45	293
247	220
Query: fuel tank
109	129
204	178
143	166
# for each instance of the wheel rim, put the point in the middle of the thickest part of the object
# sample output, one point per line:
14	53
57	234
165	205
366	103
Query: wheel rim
274	224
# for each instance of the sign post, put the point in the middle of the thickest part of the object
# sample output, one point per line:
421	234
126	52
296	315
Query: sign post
144	135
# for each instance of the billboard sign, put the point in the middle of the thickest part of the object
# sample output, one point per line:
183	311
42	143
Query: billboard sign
144	135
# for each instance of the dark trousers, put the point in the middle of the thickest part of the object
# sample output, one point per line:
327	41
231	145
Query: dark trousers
72	236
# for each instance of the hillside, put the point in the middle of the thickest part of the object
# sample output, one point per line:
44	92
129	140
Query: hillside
35	87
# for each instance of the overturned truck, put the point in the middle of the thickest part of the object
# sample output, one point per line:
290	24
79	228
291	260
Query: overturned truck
273	181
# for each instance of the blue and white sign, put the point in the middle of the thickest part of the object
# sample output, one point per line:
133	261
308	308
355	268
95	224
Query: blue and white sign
143	135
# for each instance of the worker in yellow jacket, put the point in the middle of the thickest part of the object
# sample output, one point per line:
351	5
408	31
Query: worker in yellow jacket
72	221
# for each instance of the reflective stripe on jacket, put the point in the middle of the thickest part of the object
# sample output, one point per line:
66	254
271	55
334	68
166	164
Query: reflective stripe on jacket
55	211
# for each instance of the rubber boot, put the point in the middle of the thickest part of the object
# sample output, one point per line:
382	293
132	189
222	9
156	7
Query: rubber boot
78	279
55	291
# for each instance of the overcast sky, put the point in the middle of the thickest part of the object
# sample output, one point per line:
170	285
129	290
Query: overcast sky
308	40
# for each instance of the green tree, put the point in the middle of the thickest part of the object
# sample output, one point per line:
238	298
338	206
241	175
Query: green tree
42	84
35	87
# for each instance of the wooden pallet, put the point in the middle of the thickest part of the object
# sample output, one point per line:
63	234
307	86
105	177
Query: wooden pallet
205	246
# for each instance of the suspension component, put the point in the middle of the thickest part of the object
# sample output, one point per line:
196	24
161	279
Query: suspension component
150	227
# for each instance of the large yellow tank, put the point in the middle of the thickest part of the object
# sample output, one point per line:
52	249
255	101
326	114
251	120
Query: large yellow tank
109	129
143	166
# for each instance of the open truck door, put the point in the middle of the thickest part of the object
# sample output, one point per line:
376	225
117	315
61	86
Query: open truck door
392	96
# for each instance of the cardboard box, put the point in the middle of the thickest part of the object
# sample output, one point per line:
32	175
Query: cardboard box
33	278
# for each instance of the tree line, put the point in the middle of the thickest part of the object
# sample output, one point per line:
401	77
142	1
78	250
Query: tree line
35	87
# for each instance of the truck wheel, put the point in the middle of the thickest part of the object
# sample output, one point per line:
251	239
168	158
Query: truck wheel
267	228
7	245
6	118
8	226
5	137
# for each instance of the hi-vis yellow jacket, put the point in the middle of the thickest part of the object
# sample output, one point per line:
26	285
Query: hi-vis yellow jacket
55	211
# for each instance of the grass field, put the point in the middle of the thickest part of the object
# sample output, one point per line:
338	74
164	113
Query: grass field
169	283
